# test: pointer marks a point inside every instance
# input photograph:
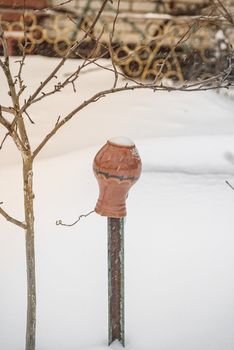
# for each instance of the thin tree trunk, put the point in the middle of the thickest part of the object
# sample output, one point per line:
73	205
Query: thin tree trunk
30	254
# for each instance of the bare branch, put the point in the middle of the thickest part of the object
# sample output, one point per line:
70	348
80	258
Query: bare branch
29	118
14	96
111	46
108	68
4	121
101	94
64	59
95	69
4	139
57	121
184	37
22	61
224	11
72	76
81	17
12	132
54	7
7	109
11	219
59	86
115	19
113	64
5	48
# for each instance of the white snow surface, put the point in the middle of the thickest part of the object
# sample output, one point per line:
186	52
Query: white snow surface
179	239
122	141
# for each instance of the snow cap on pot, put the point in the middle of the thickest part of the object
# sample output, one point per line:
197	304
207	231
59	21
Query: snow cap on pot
117	166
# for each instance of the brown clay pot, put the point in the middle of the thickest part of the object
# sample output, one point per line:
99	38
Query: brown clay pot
117	167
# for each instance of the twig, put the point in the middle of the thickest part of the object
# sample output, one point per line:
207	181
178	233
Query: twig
90	70
64	59
115	19
101	94
11	219
108	68
225	12
111	47
71	77
59	222
30	119
81	18
184	37
54	7
228	183
59	117
22	61
5	48
10	128
7	109
4	139
4	121
18	120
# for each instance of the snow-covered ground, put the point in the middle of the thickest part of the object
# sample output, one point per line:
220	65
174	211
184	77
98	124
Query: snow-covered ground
179	236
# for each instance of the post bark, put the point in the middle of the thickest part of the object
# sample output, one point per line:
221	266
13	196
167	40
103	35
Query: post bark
116	279
30	253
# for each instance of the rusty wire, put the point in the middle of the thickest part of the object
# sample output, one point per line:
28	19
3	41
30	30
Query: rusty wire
59	222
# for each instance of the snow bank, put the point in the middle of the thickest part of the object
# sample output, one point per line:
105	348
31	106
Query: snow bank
179	229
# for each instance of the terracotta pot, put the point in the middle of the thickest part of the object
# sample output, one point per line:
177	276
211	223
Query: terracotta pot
117	167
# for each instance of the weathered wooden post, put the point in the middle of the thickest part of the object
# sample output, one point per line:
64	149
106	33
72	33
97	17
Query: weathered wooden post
117	166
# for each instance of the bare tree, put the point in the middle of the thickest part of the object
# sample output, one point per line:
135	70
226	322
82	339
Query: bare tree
13	120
